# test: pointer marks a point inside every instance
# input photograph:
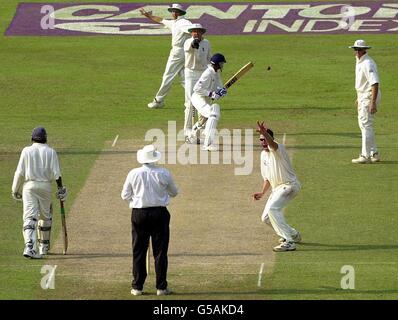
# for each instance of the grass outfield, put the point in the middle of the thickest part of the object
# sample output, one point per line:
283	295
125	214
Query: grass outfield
85	90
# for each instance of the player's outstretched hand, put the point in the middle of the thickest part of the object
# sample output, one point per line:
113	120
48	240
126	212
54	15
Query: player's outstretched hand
145	13
261	127
257	195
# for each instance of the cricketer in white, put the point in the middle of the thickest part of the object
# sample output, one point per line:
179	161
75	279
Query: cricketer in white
209	88
278	173
175	64
367	85
38	166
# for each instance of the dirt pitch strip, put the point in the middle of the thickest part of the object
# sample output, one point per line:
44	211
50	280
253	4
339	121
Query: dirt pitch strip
216	232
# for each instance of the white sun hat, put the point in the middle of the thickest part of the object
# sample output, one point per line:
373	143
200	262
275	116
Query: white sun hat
148	154
360	44
194	26
176	6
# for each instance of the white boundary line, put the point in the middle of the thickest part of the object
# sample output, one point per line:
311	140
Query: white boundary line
114	141
260	274
284	139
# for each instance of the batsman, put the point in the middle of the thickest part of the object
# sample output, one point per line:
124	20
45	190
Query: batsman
38	166
208	89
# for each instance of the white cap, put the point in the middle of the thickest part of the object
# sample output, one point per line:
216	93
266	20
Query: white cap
148	154
194	26
176	6
359	44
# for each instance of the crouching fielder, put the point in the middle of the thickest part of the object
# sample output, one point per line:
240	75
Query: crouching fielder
37	167
278	174
209	88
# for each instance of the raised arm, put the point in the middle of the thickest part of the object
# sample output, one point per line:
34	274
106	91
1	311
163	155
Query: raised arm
149	15
262	129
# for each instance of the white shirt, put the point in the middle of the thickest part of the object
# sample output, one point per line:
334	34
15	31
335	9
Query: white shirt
209	81
179	30
366	74
197	59
39	162
148	186
276	167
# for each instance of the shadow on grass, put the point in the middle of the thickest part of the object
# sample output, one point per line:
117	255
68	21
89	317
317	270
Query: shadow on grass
271	292
314	246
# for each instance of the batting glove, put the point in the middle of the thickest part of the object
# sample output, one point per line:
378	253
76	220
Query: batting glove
222	92
16	196
62	194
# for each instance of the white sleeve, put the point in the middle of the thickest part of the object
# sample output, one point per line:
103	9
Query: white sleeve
201	87
55	166
372	74
187	45
168	23
219	81
127	191
172	189
19	175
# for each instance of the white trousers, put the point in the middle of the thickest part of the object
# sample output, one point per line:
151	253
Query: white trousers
365	121
191	77
210	111
37	209
273	211
174	67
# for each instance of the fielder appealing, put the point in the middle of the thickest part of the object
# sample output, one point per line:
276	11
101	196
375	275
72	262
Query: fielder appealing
38	166
367	85
209	88
278	173
175	64
148	190
197	57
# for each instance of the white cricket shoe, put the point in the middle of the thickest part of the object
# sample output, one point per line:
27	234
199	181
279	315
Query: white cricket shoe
285	246
30	253
361	159
155	104
136	292
375	158
164	292
211	147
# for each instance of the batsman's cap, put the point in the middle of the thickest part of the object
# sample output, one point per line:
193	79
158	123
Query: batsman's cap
360	44
196	26
217	58
176	7
39	134
148	154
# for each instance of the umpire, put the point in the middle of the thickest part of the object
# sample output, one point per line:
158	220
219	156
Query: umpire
148	190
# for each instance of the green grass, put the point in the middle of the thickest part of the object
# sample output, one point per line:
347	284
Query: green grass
85	90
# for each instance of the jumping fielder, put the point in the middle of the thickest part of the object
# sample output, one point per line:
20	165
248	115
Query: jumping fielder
175	64
209	88
368	98
278	173
197	57
38	166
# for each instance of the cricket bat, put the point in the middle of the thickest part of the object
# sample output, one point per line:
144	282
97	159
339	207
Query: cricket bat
242	71
64	231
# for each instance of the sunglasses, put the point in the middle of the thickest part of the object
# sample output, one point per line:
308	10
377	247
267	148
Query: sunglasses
262	139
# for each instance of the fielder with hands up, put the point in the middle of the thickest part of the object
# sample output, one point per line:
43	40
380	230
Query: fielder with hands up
38	166
278	173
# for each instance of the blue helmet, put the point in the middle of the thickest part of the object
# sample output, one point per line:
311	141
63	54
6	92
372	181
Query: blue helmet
217	59
39	134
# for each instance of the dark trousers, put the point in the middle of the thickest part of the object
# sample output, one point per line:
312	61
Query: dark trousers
150	223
